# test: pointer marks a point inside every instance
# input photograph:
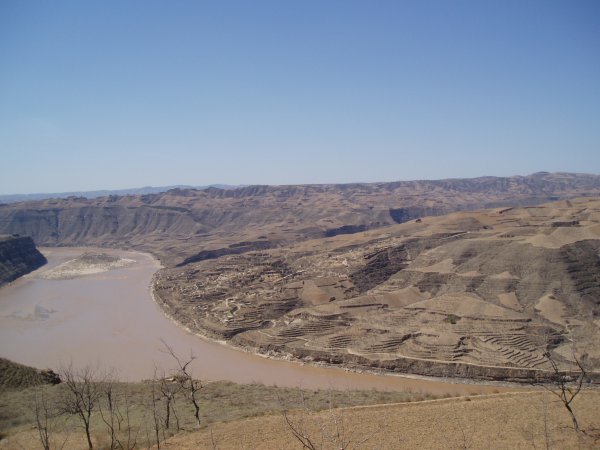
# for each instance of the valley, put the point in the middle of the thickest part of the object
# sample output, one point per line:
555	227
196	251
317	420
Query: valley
472	278
309	299
109	319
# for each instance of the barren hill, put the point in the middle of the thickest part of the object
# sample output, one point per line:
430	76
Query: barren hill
187	224
473	294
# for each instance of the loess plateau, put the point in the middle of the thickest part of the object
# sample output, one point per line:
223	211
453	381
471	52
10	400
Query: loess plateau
468	277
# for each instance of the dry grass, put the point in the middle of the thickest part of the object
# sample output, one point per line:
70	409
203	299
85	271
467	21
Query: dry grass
18	376
251	417
500	421
221	402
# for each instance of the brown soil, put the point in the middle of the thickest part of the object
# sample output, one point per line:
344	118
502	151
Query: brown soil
503	421
480	294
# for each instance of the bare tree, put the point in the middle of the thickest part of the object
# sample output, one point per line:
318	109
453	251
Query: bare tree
111	415
458	428
298	425
299	431
213	441
129	440
325	429
466	435
83	391
42	417
566	385
156	416
189	385
46	416
168	388
547	439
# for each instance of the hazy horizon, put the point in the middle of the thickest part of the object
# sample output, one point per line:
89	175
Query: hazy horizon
234	186
113	96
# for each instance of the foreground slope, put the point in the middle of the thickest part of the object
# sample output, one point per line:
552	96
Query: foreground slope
525	420
474	294
503	421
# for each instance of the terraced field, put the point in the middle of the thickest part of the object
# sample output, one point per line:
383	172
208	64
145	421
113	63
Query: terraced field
481	294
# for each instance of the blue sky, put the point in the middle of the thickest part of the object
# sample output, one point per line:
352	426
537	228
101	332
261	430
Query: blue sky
112	94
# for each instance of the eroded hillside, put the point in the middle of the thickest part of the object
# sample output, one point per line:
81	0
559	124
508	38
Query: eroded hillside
185	225
469	294
365	275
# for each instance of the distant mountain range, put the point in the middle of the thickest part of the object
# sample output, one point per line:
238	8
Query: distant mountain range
14	198
181	225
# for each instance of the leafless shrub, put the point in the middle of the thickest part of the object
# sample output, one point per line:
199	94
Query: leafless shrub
168	388
316	431
184	377
128	434
83	390
157	419
566	385
46	418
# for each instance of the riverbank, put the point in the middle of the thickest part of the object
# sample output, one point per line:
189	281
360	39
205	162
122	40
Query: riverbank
18	256
405	367
109	319
487	385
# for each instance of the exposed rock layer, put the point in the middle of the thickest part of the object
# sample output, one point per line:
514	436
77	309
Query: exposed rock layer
18	256
190	225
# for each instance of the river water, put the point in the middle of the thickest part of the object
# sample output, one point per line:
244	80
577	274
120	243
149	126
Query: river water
110	320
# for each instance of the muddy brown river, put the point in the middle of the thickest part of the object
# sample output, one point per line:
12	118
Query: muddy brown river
109	319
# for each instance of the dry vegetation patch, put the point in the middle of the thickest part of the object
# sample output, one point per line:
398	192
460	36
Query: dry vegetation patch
139	403
503	421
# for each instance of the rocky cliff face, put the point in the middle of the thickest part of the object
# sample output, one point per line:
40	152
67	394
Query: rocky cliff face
18	256
181	224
